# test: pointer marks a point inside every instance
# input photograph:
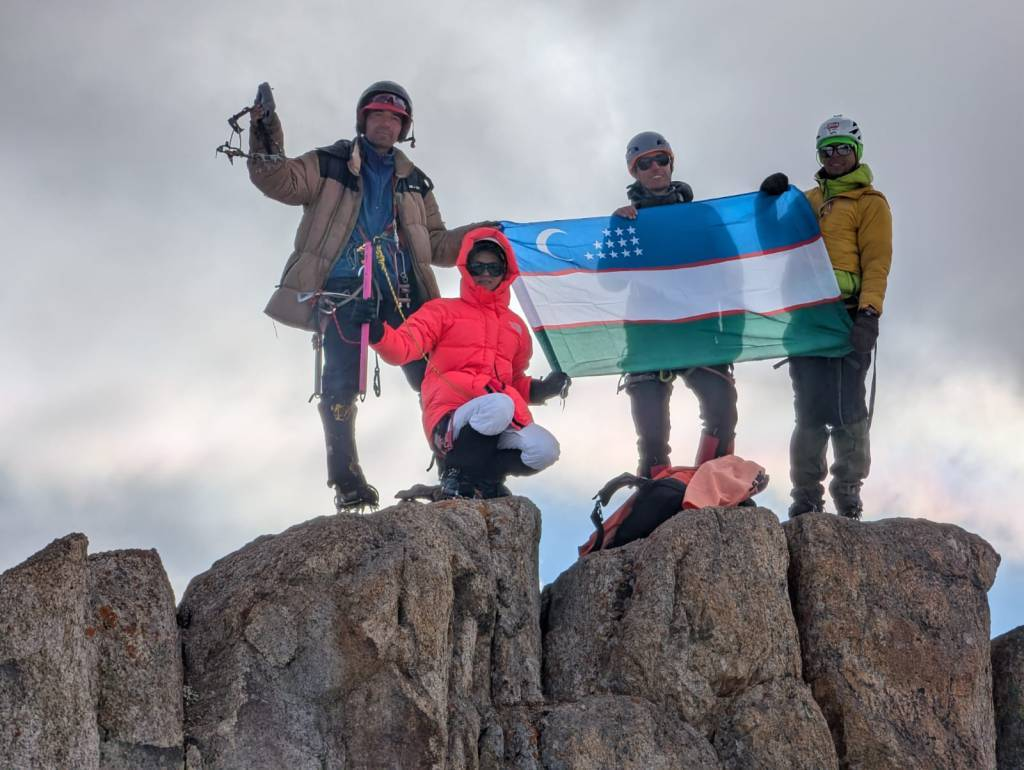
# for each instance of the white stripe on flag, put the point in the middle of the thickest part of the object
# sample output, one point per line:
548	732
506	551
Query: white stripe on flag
763	284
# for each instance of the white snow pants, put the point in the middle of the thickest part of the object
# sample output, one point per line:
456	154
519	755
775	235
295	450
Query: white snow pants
491	415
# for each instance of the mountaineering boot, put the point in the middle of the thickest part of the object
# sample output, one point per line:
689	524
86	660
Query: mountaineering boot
806	501
807	468
470	458
712	446
850	507
490	488
852	449
489	482
649	398
451	483
351	492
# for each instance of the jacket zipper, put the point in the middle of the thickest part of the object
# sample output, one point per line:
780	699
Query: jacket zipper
330	222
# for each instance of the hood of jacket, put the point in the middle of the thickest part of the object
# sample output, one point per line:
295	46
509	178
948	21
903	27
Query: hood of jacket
477	295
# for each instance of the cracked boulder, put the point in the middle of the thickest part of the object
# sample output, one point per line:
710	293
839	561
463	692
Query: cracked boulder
691	632
405	638
90	661
894	628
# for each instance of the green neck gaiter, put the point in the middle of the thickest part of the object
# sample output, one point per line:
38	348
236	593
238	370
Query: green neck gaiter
859	177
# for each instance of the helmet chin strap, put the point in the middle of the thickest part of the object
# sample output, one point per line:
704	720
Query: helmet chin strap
412	135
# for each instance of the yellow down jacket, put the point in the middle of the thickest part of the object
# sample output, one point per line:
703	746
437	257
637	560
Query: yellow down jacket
857	228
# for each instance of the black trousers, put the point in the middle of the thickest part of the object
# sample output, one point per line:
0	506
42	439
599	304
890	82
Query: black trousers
341	385
830	401
650	393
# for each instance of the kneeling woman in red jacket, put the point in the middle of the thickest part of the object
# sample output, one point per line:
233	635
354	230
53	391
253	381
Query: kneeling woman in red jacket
476	390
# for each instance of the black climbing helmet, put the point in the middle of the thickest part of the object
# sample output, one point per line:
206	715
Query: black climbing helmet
385	95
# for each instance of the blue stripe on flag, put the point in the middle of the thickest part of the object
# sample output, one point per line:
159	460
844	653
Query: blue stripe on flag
666	236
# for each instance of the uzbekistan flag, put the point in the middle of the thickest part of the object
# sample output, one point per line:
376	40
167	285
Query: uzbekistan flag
741	278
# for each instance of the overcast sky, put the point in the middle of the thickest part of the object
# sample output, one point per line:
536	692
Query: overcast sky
146	401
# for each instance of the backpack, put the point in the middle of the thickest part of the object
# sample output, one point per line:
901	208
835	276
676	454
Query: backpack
728	481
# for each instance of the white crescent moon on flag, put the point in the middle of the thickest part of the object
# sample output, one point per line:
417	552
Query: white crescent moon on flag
542	240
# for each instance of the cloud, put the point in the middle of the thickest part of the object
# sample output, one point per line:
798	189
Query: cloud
146	400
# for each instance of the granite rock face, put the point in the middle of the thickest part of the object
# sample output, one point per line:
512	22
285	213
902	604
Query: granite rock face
417	637
692	630
47	700
1008	695
90	665
391	640
134	630
894	628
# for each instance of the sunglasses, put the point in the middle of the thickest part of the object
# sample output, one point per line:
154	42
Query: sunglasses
486	268
392	100
836	149
661	159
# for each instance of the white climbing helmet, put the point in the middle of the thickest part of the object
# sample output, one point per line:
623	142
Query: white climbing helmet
839	129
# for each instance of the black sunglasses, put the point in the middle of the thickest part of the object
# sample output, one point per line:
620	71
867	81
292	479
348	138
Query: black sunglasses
486	268
836	149
645	163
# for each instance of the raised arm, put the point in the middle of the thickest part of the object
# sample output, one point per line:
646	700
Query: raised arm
294	181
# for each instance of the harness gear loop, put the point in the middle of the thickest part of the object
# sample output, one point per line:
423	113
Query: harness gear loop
326	304
318	374
382	263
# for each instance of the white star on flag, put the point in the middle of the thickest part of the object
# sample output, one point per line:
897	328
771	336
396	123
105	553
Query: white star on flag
631	230
618	231
597	244
607	232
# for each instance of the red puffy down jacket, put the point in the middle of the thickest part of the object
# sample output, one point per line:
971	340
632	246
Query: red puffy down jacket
475	344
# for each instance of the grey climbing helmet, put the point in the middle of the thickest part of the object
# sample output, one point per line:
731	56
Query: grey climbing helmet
645	143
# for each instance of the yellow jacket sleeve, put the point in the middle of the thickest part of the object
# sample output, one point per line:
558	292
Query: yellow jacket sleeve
874	244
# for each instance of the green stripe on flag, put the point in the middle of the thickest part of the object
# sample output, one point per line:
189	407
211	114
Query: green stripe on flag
821	330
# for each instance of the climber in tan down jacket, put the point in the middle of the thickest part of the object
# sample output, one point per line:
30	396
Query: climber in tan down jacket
353	192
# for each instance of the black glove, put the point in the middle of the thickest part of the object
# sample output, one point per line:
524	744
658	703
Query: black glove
552	385
265	99
364	311
864	331
775	184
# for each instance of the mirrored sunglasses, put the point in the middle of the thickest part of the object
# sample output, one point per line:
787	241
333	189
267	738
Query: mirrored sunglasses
836	149
391	100
486	268
661	159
